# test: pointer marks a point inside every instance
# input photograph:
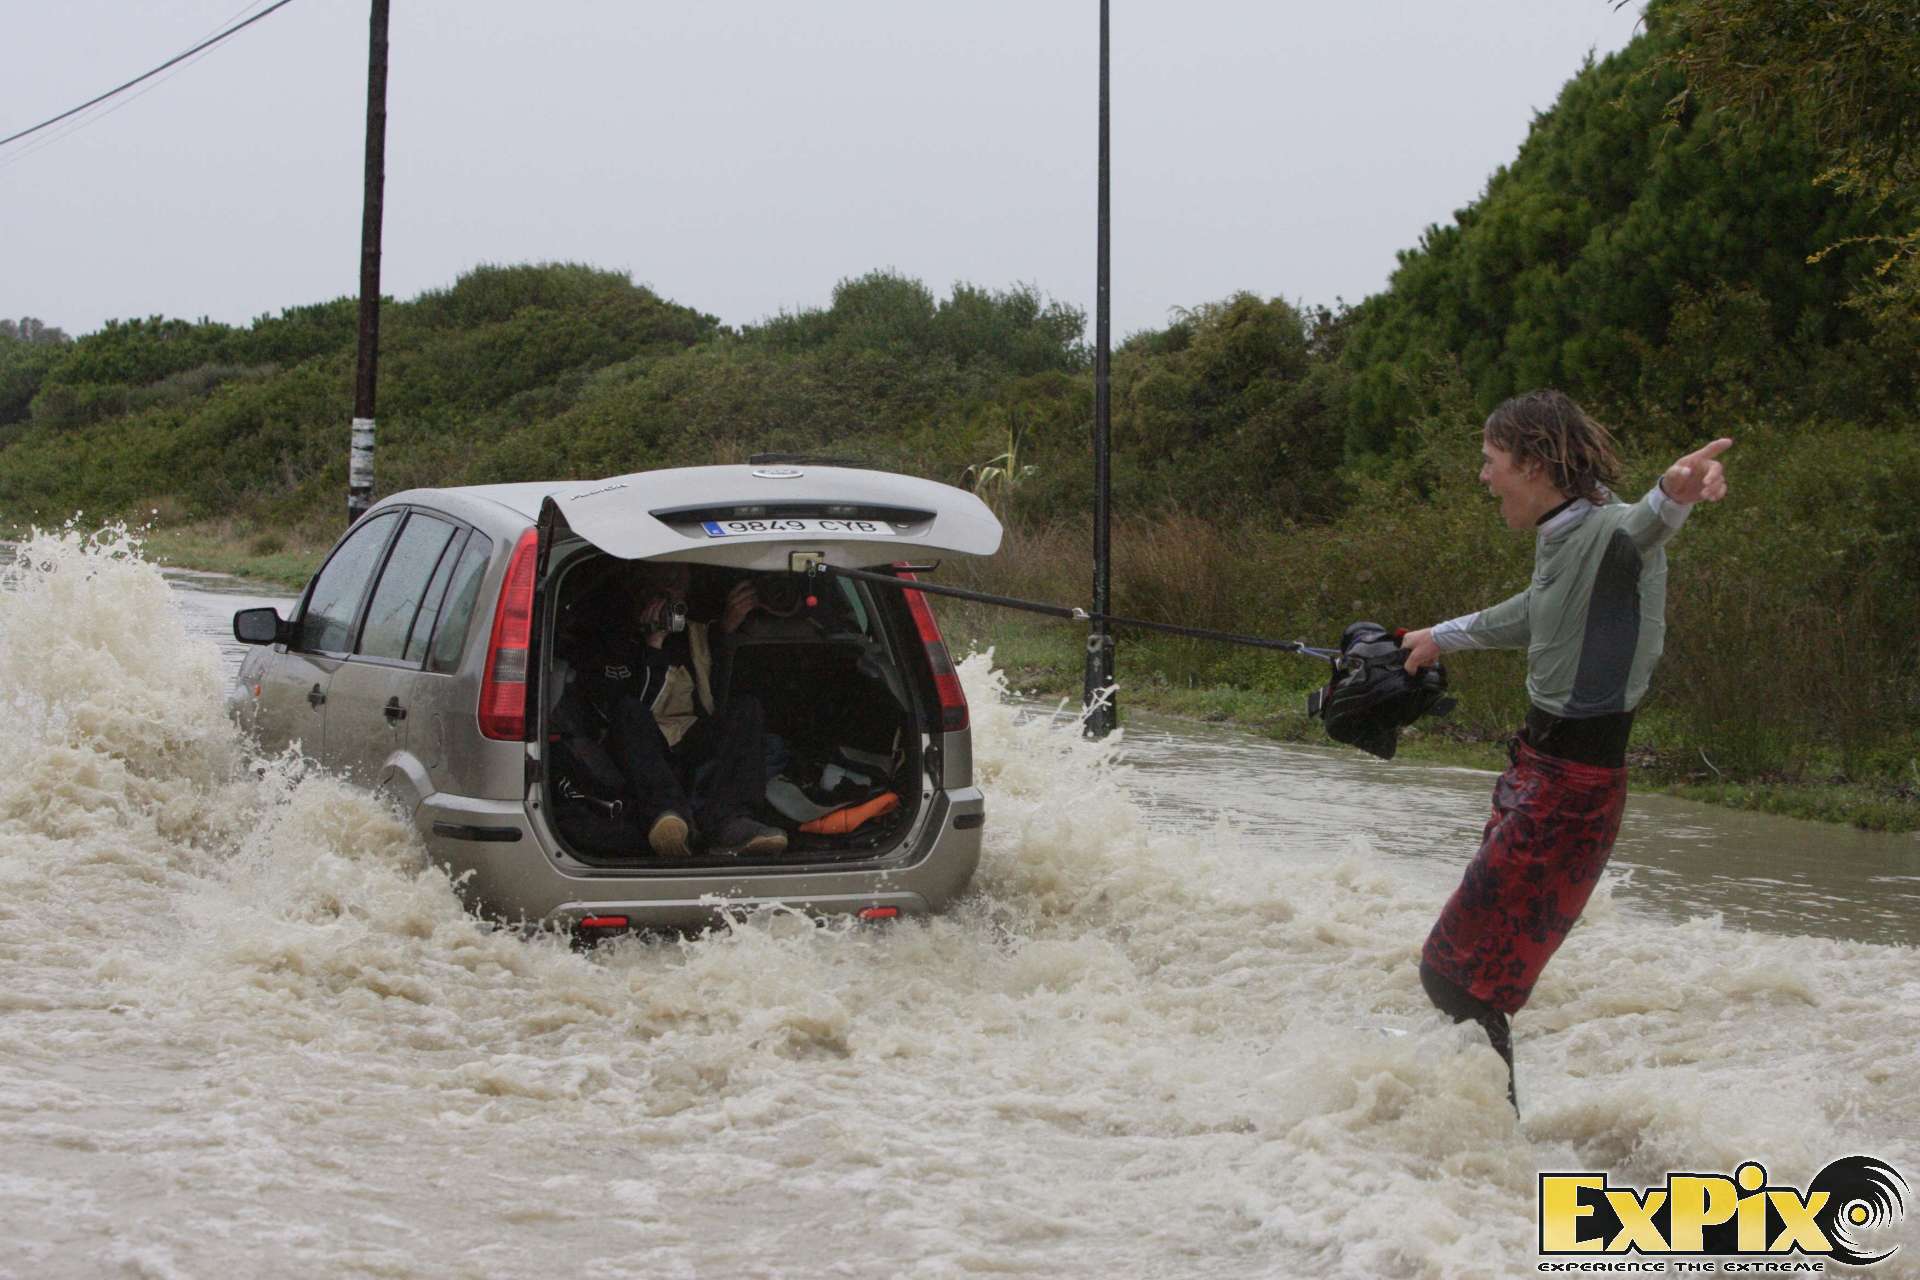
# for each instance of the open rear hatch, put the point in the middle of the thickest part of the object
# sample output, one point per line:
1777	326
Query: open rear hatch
757	517
850	677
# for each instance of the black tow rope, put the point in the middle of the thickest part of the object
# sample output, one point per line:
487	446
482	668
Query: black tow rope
1071	614
1370	698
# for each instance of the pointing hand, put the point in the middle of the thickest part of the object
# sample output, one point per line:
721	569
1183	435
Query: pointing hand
1698	476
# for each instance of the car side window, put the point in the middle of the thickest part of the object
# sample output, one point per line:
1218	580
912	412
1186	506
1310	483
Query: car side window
463	595
403	585
430	605
326	626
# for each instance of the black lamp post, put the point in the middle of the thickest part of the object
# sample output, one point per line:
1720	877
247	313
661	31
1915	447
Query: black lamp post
1102	710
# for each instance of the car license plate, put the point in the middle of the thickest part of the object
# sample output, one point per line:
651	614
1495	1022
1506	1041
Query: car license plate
828	528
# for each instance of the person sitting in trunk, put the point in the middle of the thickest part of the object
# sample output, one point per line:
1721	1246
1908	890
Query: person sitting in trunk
642	700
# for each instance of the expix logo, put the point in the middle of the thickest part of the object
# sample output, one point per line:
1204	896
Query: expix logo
1713	1213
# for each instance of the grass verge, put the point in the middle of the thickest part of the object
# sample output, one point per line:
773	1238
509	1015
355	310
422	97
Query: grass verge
284	558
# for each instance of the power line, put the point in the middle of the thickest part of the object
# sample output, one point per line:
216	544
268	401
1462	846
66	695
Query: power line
75	125
88	121
205	44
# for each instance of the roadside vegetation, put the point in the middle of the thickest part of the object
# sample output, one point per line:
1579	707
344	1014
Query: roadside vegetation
1689	245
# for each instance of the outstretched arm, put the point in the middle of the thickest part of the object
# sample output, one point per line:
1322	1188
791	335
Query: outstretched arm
1503	626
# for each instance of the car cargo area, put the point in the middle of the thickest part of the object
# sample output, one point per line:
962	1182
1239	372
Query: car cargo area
828	665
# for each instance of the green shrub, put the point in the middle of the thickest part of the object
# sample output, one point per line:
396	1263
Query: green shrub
23	367
1639	260
492	294
1014	331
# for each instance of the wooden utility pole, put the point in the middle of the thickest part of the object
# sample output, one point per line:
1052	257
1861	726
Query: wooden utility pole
1102	708
367	366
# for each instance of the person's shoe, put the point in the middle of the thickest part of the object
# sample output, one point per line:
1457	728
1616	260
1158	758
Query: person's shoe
668	835
742	837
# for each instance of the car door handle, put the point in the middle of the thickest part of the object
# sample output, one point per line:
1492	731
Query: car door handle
393	711
315	697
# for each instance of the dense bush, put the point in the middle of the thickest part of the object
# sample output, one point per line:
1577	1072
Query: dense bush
493	294
1231	410
298	334
1614	219
1849	72
28	351
1014	331
133	353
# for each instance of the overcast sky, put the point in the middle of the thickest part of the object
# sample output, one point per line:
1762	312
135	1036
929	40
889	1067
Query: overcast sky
741	156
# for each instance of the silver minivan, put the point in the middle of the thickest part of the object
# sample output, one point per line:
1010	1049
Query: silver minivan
428	655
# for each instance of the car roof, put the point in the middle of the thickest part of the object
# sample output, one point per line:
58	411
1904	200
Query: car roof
521	499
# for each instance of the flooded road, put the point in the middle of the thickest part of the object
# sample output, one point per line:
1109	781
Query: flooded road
248	1028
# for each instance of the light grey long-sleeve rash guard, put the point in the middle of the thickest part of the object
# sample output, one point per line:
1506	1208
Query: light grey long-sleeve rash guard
1594	617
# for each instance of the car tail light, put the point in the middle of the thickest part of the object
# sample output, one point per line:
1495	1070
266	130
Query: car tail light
953	701
603	922
880	913
503	690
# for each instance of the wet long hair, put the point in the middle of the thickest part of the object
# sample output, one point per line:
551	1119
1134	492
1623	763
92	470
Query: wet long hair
1548	428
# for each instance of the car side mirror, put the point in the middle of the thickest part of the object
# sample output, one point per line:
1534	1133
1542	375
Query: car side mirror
259	626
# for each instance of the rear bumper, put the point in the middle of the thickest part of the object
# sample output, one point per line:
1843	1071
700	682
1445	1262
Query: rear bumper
704	913
506	871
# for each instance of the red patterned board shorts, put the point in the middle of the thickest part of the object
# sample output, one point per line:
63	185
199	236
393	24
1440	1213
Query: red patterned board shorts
1552	829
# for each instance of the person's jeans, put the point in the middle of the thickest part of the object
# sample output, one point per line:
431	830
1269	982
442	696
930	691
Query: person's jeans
715	773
